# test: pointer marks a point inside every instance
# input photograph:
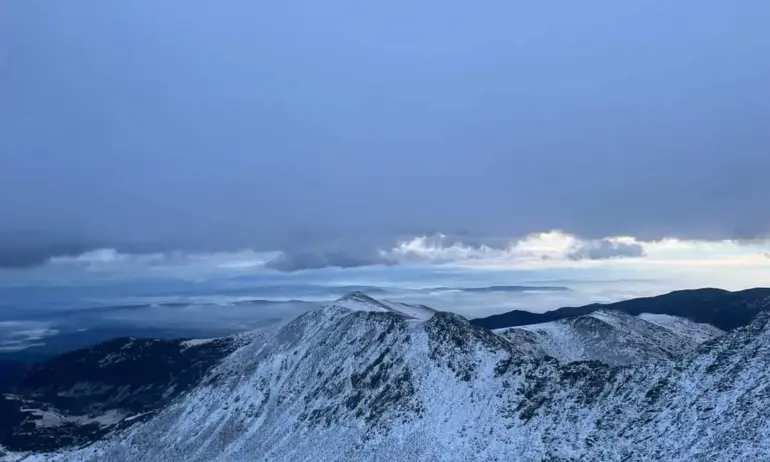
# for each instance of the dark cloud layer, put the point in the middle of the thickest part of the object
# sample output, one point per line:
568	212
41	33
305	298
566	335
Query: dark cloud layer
604	249
33	248
290	261
156	123
31	257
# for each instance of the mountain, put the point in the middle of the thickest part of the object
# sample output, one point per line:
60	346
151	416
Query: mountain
80	396
684	328
11	370
720	308
359	301
612	337
350	382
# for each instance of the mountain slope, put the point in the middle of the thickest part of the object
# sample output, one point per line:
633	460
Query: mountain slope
697	332
720	308
345	385
80	396
611	337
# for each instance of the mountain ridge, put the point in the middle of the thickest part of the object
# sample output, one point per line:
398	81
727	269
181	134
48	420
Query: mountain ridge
612	337
343	384
356	381
721	308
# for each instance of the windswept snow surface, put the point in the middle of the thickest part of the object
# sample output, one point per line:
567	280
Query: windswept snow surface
359	301
344	385
197	342
699	332
612	337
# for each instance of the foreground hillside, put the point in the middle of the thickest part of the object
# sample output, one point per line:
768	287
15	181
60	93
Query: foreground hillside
81	396
355	381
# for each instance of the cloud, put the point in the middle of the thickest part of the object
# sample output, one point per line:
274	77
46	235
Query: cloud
20	335
29	248
216	314
400	124
438	249
105	259
535	249
605	249
553	249
109	264
308	260
564	250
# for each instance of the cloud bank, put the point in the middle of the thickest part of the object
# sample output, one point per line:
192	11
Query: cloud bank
293	260
538	249
27	249
554	249
604	249
20	335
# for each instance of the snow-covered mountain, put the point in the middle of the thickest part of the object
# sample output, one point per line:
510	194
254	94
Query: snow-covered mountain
612	337
350	383
359	301
693	331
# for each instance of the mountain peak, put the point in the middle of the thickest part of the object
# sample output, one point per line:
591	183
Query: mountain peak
359	301
357	295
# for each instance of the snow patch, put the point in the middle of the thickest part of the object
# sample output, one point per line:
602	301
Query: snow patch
197	342
700	332
46	418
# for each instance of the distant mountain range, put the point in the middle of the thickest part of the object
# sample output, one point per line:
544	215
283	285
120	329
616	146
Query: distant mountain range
368	379
720	308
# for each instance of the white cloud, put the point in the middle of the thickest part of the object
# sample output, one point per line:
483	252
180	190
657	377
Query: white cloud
605	249
436	250
726	264
548	250
177	263
20	335
560	249
717	253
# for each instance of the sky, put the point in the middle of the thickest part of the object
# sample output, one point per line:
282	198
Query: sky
307	125
430	144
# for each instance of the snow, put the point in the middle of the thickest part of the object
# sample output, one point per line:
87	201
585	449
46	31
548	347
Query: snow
197	342
8	456
555	339
417	312
698	331
134	417
46	418
612	337
341	384
358	301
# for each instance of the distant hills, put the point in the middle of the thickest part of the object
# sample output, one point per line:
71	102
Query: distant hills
721	308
